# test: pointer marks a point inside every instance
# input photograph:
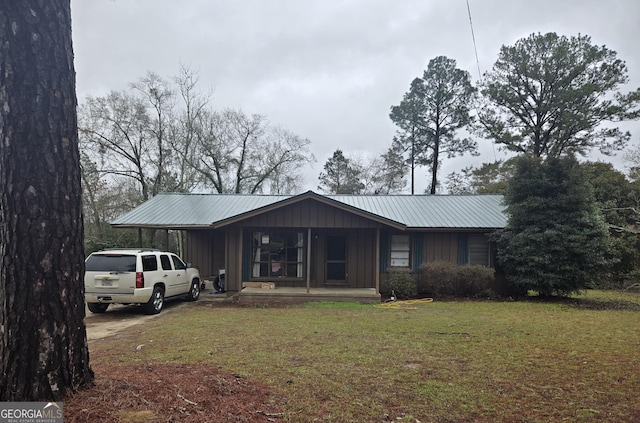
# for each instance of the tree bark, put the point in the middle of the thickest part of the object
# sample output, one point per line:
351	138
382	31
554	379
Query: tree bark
43	344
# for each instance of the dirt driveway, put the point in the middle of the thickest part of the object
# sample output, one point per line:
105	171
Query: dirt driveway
118	317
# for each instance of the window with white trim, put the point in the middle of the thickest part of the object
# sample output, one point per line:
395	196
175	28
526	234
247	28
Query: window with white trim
278	254
400	250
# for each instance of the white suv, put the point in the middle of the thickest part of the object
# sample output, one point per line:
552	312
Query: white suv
137	276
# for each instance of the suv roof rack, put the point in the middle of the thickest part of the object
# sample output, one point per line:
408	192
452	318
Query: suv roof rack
140	250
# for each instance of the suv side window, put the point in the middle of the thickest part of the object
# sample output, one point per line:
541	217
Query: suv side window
166	263
178	264
149	263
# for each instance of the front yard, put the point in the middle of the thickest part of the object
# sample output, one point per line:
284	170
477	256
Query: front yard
481	361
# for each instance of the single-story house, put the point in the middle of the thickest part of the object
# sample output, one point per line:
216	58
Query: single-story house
312	242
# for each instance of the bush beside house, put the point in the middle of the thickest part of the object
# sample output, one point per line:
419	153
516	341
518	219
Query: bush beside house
444	279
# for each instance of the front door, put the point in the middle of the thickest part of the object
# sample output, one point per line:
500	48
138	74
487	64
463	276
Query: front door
336	263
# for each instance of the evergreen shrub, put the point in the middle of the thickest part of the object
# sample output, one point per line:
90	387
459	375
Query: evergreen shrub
444	279
402	285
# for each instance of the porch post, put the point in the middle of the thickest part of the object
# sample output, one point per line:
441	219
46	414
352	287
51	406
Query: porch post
308	259
237	263
377	269
226	263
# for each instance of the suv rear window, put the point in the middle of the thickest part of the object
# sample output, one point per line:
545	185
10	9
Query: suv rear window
111	263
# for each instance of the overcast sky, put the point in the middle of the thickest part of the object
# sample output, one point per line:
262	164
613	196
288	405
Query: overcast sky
328	70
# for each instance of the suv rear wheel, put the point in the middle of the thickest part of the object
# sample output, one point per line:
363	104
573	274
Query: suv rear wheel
156	302
98	307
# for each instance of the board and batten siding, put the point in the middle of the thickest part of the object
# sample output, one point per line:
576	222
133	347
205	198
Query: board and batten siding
206	251
309	214
440	246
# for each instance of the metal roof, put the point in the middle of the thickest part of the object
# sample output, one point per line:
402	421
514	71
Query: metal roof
176	210
433	211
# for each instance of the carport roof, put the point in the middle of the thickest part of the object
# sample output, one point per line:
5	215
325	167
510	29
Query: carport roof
180	211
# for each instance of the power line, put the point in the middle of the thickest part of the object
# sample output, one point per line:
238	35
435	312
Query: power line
475	49
473	36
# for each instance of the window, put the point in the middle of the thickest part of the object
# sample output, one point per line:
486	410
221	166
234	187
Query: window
178	264
473	249
400	250
165	262
149	263
111	262
478	249
277	254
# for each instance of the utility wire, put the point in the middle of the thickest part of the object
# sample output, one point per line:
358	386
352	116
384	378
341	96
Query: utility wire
475	49
473	37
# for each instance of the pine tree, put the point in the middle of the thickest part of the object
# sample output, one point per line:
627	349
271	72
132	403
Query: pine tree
340	176
43	343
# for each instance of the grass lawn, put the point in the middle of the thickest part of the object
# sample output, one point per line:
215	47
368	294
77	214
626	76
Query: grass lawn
442	361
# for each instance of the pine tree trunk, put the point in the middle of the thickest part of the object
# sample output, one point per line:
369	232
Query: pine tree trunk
43	344
434	170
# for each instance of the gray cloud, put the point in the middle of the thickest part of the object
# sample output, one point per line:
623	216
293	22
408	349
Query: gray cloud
327	70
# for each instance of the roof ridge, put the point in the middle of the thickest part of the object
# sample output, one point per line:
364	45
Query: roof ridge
233	194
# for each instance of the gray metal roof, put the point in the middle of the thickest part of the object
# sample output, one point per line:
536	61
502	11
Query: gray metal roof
173	210
433	211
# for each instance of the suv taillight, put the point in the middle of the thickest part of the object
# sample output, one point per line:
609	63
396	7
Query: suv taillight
139	280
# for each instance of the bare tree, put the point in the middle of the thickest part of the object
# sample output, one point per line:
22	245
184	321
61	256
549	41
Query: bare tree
43	344
103	200
115	132
160	101
140	134
287	153
167	138
245	154
185	127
